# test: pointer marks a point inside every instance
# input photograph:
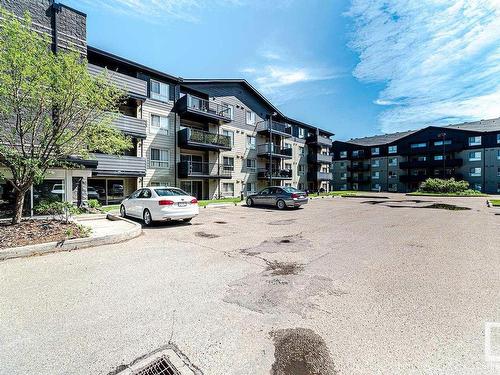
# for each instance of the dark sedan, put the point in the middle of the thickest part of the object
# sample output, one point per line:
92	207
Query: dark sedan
278	196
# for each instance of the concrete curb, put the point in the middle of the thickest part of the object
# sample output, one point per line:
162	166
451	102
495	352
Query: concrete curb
74	244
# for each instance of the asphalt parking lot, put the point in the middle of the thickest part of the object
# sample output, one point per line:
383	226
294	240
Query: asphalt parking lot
392	285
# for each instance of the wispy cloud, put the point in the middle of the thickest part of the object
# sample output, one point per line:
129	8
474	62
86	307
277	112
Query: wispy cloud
155	10
440	60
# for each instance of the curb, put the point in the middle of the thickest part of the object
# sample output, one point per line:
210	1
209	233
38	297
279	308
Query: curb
74	244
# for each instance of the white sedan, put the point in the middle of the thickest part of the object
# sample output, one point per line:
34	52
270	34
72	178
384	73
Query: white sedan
160	203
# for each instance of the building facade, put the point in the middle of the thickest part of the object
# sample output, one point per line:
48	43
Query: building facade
399	162
212	138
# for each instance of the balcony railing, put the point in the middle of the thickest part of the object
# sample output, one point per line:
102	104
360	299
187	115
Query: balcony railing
276	128
114	165
320	158
358	167
320	176
203	170
134	86
319	140
129	125
193	105
430	163
359	155
268	149
359	179
276	174
431	149
199	139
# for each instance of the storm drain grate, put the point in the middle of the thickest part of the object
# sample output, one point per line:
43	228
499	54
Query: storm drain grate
160	366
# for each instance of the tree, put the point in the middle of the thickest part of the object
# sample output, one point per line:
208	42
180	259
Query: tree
51	107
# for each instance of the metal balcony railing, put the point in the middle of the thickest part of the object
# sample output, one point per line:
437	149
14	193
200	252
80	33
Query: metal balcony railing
203	170
195	138
274	150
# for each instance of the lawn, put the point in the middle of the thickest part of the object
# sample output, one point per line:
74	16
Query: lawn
495	202
109	208
204	203
464	194
337	193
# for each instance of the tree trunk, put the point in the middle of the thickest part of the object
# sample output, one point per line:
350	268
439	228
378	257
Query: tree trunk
18	208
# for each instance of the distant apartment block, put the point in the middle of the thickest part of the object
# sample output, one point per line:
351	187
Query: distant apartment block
399	162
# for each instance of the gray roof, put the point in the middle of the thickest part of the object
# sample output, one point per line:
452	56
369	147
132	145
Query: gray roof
478	126
380	139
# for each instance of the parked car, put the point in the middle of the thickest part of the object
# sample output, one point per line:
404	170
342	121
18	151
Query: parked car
160	203
92	193
278	196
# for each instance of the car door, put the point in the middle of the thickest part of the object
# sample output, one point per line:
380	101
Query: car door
274	196
143	202
261	196
131	203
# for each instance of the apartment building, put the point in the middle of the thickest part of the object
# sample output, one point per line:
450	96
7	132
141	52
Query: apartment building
399	162
213	138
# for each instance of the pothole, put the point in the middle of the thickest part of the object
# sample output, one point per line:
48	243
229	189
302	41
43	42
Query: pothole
206	235
220	222
284	268
282	222
288	244
300	351
444	206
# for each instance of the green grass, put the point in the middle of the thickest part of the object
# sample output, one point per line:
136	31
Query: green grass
204	203
464	194
495	202
337	193
110	208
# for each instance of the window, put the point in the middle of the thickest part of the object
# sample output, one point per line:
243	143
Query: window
474	155
376	175
375	150
343	154
160	123
421	158
250	118
376	163
342	164
498	155
376	187
228	163
159	158
440	143
475	172
393	162
251	164
302	170
250	187
288	184
230	110
475	141
302	133
498	172
159	91
478	187
438	157
230	134
301	150
418	145
288	166
301	186
288	145
392	174
393	187
357	153
498	138
228	188
250	142
393	149
343	176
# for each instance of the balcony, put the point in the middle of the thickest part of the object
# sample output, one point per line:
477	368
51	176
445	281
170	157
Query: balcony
278	128
135	87
358	167
430	163
199	139
319	140
132	126
270	149
187	169
190	106
431	149
319	159
359	179
277	174
320	176
359	155
114	165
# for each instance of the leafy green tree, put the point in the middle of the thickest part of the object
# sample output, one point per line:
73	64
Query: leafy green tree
51	107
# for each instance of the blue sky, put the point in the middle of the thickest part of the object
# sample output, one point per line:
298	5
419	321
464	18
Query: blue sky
355	67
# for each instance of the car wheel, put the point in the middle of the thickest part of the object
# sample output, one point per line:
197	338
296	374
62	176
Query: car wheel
249	202
187	220
123	213
147	217
281	204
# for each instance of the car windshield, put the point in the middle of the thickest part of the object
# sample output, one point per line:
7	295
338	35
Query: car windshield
290	189
170	192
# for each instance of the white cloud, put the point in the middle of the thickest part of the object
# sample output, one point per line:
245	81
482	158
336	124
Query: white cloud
440	60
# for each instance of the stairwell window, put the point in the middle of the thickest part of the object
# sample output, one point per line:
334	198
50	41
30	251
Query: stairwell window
159	158
229	110
302	170
250	187
251	165
498	155
302	133
228	163
230	134
475	141
250	118
475	172
498	138
301	150
393	149
228	188
251	142
159	91
160	124
475	156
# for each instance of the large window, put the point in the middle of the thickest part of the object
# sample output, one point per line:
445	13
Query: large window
302	133
475	172
250	118
159	158
498	155
251	165
250	187
301	150
474	155
375	175
393	162
228	163
393	149
475	141
440	143
376	163
418	145
159	123
230	134
228	188
498	138
159	91
343	154
438	157
230	109
250	142
375	150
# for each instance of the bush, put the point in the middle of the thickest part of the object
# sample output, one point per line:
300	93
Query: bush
94	203
60	210
437	185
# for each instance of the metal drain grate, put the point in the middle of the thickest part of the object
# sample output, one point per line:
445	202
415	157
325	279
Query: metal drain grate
160	366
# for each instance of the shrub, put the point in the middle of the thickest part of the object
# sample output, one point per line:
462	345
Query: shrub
94	203
59	210
437	185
